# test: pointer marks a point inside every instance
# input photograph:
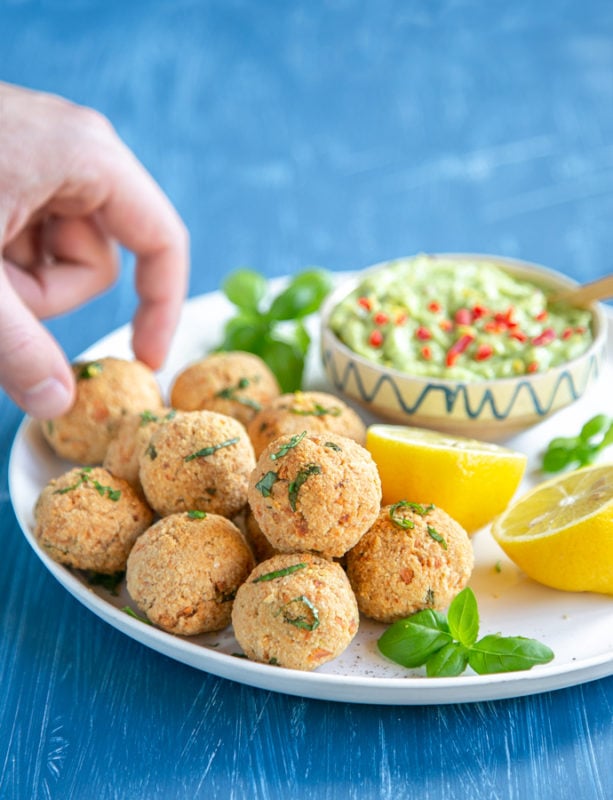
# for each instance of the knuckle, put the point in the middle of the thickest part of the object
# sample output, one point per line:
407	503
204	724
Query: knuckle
92	121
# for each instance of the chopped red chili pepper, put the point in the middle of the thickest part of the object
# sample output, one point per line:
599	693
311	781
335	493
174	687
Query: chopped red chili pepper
401	318
542	315
463	316
376	339
423	333
545	337
434	307
457	348
479	311
532	367
484	351
381	318
580	330
567	333
495	327
445	325
426	352
519	335
506	317
365	302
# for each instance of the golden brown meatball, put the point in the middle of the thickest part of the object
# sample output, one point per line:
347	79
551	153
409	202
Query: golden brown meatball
237	384
123	454
198	460
108	389
316	412
88	519
183	573
317	492
413	557
257	541
295	610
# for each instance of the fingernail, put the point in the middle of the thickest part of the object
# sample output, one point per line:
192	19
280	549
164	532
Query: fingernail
48	399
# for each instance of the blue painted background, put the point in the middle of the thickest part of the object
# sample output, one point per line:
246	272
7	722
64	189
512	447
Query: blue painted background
290	134
343	133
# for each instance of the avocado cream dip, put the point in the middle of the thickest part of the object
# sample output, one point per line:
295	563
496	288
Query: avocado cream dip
458	319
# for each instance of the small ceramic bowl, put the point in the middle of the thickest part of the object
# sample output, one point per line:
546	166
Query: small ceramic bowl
492	410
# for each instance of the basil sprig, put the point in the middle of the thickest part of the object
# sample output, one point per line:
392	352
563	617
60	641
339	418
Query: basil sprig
449	644
212	449
85	478
300	479
571	452
274	330
285	448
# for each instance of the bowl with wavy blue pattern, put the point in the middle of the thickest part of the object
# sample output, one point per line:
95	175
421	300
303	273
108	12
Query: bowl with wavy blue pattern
492	409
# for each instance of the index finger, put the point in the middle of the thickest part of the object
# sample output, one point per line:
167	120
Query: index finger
131	207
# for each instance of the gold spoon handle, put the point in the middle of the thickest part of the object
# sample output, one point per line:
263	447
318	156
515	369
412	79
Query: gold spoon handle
601	289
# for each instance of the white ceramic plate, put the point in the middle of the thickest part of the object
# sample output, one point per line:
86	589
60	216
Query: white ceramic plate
578	627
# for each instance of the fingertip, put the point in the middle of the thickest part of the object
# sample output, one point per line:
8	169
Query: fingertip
34	371
49	398
153	330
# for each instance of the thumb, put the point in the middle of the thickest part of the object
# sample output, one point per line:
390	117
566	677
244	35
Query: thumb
33	369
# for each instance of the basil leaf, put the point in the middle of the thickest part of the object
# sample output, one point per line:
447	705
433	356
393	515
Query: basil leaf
594	427
300	479
109	582
285	361
437	536
284	449
449	661
497	653
579	451
302	296
245	288
304	616
211	449
586	454
131	613
266	482
398	520
243	332
277	335
301	337
280	573
556	459
607	439
463	617
414	640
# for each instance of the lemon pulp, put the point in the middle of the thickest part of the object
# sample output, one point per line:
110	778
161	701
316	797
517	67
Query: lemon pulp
561	532
472	481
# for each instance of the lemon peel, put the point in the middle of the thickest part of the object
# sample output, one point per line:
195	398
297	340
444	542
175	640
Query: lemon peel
472	481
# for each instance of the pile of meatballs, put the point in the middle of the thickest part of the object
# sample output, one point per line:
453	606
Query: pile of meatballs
232	503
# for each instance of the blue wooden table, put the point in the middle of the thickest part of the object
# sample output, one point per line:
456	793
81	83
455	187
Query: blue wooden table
290	134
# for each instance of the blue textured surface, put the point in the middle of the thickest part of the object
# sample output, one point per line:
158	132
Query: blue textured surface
290	134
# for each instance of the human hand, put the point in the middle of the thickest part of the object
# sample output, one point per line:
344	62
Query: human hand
70	192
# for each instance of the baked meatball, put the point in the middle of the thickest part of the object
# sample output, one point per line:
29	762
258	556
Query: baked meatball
295	610
123	454
413	557
316	412
237	384
183	573
107	390
257	541
89	519
316	492
198	460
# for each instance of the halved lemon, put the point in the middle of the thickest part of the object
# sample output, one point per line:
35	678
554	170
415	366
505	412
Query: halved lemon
472	481
561	532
